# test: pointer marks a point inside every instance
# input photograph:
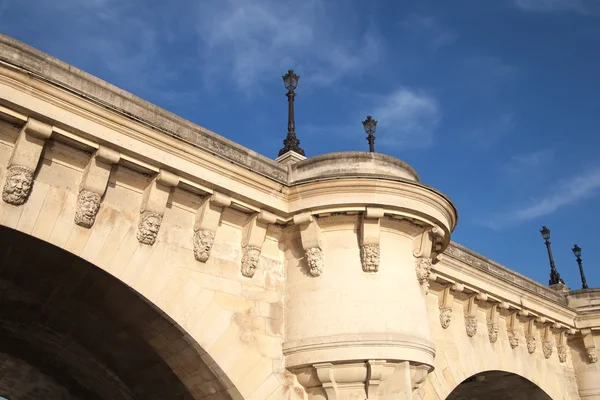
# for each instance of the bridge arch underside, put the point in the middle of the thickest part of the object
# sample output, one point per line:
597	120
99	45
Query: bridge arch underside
69	330
497	385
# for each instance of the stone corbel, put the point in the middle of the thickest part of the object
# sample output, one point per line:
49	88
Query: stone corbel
369	239
530	331
492	322
310	234
561	346
427	249
24	160
207	221
590	346
154	203
511	327
93	185
253	237
471	313
445	304
378	371
547	342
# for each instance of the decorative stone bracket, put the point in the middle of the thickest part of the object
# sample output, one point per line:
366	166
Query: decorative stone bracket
253	238
427	249
492	322
511	327
547	340
24	160
154	203
369	239
471	313
207	221
590	346
561	346
310	234
530	331
445	304
93	185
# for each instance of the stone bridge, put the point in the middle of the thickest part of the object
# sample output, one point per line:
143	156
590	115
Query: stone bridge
145	257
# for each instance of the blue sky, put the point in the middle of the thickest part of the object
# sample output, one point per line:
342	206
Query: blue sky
493	102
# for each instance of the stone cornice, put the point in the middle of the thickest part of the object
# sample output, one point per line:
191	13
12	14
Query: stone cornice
44	67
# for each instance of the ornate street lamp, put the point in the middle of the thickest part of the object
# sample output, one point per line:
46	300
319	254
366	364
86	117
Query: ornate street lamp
291	142
577	253
554	275
370	126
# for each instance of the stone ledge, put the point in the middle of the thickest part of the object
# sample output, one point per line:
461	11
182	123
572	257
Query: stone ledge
48	68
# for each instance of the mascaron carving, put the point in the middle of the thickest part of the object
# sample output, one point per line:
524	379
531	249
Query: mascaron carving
88	204
547	348
250	258
471	325
592	356
493	330
562	353
17	185
369	254
530	340
423	269
148	227
314	258
445	317
203	243
513	339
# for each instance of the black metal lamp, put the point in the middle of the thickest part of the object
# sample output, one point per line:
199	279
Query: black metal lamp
370	126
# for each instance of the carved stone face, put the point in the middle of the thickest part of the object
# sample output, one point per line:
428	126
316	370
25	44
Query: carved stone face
250	258
493	330
547	348
314	258
513	339
203	243
370	257
445	317
148	227
562	353
471	325
18	184
88	204
592	355
530	344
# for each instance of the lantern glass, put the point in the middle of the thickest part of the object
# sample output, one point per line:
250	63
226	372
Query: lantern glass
577	251
290	80
545	233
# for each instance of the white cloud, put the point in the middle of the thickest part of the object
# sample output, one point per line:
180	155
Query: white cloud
407	118
430	30
550	6
567	193
522	163
250	41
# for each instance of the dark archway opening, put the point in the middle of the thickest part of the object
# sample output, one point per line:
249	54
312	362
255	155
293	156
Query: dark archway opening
69	330
497	385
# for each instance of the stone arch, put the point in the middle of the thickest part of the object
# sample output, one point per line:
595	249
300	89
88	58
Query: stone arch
497	385
69	330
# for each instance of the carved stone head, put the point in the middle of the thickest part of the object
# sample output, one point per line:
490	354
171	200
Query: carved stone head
148	227
203	243
369	254
314	258
530	340
547	348
513	339
18	184
250	258
562	353
88	204
471	325
445	317
493	330
592	355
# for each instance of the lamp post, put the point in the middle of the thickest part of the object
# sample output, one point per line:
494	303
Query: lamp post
554	275
291	142
370	125
577	253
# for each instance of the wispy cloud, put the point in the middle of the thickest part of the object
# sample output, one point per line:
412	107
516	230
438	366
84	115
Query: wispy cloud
429	29
552	6
250	40
568	192
522	163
